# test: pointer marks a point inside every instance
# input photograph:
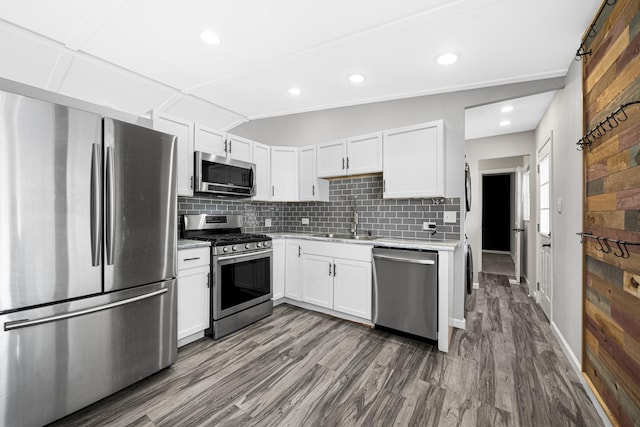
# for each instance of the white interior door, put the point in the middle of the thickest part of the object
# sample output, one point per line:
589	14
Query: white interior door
545	271
517	226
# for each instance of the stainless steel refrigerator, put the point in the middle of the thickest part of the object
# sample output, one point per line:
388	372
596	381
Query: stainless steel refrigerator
87	257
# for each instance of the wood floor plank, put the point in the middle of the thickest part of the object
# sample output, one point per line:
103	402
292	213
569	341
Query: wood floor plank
299	368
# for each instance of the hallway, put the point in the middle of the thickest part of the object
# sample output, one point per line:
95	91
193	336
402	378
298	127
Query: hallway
498	264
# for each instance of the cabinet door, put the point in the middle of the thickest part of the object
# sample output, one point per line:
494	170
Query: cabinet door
414	161
262	160
210	141
293	253
364	154
331	158
352	288
278	268
317	280
193	300
239	148
184	131
284	174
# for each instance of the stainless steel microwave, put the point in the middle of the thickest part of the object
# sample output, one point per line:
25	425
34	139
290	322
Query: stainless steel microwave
224	177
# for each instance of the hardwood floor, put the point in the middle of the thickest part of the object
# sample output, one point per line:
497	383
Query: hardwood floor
301	368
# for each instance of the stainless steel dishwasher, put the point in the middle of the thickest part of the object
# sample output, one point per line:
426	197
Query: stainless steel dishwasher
405	291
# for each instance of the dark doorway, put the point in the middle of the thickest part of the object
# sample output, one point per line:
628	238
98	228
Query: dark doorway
496	212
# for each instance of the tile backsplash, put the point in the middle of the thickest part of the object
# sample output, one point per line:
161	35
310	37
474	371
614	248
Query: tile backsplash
386	218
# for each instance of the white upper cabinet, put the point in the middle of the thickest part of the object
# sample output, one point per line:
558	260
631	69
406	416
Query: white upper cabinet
262	160
364	154
223	144
183	129
331	159
351	156
211	141
284	174
311	188
414	161
240	148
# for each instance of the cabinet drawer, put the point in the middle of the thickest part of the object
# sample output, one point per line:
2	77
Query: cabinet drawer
195	257
356	252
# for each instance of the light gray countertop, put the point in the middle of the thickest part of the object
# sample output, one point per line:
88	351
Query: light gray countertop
190	244
389	242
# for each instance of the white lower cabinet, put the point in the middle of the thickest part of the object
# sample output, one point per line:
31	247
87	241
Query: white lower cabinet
352	287
193	294
279	266
317	280
337	276
293	253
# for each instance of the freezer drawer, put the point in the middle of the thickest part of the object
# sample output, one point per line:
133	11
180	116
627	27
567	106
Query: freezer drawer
58	359
405	291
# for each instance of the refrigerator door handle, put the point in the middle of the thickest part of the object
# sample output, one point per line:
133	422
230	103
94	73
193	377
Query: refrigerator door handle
96	196
111	207
29	322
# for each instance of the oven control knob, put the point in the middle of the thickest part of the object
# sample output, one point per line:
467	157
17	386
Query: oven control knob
225	249
234	248
247	246
259	244
267	244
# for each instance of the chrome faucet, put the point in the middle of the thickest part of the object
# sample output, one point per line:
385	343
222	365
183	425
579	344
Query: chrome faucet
354	217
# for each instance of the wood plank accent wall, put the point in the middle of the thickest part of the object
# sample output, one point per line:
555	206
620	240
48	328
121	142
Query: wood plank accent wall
611	299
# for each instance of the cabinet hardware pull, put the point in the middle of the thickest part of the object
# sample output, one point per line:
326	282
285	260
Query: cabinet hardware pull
334	270
299	250
329	269
343	163
225	145
347	163
273	190
313	190
192	259
384	185
191	182
229	147
208	279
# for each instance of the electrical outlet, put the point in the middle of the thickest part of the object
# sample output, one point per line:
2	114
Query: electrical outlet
267	222
450	216
428	226
305	221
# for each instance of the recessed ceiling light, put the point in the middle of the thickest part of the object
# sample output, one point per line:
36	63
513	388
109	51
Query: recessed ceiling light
447	58
210	37
506	109
294	91
356	78
505	123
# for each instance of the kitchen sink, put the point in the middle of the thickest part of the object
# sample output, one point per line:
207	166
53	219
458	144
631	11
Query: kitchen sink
346	236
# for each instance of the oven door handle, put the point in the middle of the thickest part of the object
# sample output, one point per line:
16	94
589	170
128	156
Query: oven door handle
257	253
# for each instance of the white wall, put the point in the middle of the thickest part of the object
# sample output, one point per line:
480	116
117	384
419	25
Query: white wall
318	126
564	119
493	153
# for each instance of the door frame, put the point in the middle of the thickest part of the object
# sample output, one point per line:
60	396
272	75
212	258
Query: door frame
540	239
481	198
518	224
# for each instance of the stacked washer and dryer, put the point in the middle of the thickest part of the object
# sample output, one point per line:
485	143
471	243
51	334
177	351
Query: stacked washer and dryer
467	246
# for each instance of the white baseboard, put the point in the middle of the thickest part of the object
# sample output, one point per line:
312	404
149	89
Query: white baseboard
476	285
575	364
458	323
319	309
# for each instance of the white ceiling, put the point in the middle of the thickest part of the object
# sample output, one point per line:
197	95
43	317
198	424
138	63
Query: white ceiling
139	55
484	121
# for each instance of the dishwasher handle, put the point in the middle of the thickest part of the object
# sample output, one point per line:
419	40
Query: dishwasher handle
409	260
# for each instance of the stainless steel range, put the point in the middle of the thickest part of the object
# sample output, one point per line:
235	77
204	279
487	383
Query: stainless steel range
241	266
